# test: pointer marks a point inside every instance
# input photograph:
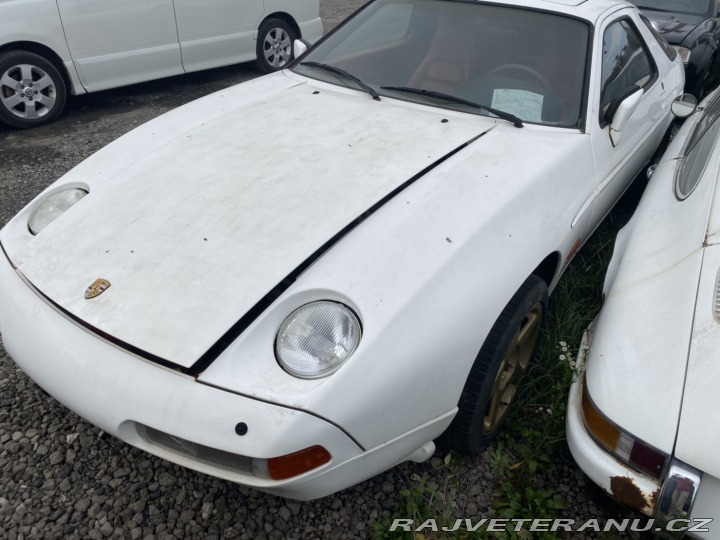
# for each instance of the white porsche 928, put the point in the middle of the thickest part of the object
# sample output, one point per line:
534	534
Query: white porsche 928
300	281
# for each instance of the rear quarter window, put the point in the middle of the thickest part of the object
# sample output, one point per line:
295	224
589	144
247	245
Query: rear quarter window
697	151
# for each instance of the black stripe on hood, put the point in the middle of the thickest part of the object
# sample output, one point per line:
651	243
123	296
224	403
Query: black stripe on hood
253	313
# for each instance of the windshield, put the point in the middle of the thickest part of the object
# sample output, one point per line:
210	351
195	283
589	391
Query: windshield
527	63
690	7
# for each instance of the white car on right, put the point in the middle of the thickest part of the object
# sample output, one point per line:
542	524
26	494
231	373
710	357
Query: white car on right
643	414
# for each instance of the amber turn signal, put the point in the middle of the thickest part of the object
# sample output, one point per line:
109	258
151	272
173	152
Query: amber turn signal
297	463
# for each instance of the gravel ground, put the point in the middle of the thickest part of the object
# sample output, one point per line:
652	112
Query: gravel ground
60	477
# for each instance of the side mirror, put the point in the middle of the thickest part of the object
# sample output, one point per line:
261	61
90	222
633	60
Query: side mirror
684	105
622	114
300	46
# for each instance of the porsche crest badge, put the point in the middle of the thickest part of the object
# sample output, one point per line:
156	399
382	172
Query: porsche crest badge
97	287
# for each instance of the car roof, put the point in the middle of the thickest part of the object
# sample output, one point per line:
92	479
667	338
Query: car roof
590	10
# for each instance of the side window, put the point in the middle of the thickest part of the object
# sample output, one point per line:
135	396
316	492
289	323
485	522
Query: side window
626	66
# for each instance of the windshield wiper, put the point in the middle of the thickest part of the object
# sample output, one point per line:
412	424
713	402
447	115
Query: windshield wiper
448	97
652	8
369	89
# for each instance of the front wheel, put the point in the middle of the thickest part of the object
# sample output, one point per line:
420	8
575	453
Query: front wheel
274	45
32	90
494	380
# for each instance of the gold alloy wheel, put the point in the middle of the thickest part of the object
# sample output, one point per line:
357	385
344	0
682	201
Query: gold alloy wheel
512	368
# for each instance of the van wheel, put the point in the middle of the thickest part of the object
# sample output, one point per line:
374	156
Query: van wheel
32	90
274	45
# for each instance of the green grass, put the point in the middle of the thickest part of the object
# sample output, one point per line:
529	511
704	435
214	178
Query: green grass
537	425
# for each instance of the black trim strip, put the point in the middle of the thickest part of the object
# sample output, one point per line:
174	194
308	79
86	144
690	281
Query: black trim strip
246	320
7	256
144	355
253	313
161	361
275	404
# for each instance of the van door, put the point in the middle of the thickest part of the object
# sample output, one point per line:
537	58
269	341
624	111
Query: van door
118	43
217	33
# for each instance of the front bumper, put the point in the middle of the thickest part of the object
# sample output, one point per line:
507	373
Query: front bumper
666	501
121	393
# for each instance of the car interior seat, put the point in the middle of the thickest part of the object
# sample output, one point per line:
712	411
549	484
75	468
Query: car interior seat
450	58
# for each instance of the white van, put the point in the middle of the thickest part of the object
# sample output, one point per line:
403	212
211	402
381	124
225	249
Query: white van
50	47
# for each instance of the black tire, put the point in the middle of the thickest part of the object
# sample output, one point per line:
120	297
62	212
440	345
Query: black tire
32	90
482	406
274	47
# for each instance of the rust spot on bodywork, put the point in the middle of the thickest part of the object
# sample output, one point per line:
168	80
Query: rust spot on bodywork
625	490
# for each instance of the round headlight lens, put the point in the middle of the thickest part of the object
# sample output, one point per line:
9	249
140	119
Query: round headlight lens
317	338
52	206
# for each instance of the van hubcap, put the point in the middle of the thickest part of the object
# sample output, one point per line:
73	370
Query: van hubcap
27	91
277	47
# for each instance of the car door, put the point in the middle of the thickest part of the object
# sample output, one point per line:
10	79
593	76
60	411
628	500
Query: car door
217	33
117	43
627	68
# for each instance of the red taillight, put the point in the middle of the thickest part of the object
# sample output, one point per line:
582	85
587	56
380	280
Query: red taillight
646	459
639	455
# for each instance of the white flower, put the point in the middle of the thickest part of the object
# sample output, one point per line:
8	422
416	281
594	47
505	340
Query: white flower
562	357
563	344
549	410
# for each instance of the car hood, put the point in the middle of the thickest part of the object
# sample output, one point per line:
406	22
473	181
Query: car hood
674	27
202	212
